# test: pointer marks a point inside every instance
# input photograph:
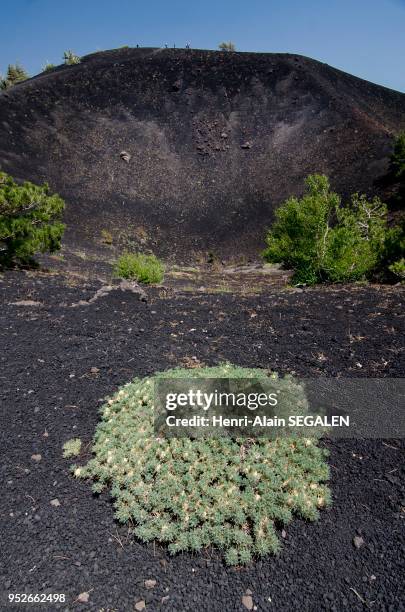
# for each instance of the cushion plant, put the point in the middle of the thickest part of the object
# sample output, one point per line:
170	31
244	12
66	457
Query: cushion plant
232	493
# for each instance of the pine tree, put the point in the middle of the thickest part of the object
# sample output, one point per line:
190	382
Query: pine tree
29	220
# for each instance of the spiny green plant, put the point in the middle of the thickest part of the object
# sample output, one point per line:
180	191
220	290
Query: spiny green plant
30	220
15	74
72	448
146	269
70	58
231	493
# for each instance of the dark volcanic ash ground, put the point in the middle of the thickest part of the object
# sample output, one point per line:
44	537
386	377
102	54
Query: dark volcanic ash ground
59	361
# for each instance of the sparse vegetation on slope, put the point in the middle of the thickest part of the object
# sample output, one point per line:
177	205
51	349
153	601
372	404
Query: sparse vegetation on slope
48	66
30	220
193	493
227	46
106	237
70	58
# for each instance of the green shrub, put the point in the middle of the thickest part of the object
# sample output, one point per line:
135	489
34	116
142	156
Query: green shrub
146	269
70	58
72	448
231	493
389	267
354	246
298	237
29	220
398	269
324	241
15	74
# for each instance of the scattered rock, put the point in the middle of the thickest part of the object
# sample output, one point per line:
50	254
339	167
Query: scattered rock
94	370
104	290
55	502
83	597
133	287
26	303
140	605
150	583
247	601
123	285
36	458
358	542
125	156
165	599
246	145
284	534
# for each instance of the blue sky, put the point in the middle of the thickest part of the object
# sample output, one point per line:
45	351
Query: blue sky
363	37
